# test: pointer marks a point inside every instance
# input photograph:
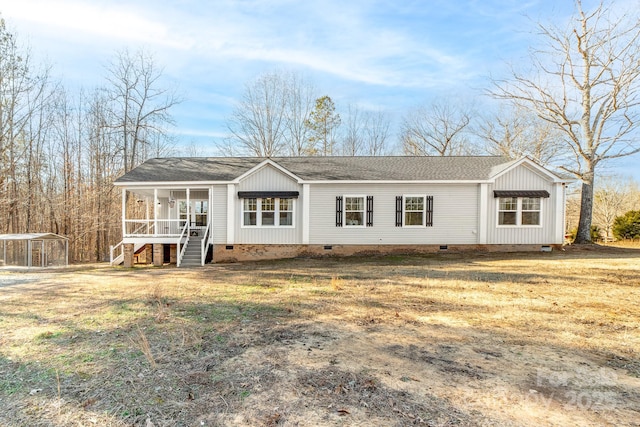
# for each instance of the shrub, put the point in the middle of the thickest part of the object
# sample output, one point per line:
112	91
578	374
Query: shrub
627	226
595	233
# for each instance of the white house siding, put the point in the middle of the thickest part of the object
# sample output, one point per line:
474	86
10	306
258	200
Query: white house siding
218	212
523	178
268	178
455	210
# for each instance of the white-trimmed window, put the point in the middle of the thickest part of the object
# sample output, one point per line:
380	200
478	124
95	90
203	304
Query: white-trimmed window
267	212
286	212
250	212
530	211
519	211
508	211
414	211
354	211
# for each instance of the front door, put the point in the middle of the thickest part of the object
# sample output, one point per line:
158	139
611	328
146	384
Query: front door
197	213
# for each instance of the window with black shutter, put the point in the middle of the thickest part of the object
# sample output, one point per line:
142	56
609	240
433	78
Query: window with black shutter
414	211
369	211
429	212
398	211
339	211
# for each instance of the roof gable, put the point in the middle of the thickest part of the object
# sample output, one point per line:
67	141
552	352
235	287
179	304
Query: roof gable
265	164
505	168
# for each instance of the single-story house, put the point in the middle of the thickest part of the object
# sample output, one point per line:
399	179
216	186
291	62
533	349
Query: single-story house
191	210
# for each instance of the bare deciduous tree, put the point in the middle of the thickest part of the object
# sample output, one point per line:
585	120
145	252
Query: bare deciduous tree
612	198
439	129
258	123
365	133
140	105
270	118
585	82
22	93
518	133
353	138
300	99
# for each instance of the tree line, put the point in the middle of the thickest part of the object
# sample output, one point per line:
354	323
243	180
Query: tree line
574	107
61	151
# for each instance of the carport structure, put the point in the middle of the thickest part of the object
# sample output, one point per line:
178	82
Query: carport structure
34	250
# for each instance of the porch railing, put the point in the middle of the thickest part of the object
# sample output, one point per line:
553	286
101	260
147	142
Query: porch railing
113	250
205	244
183	236
159	227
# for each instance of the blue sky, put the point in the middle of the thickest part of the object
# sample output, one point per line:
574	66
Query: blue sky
380	55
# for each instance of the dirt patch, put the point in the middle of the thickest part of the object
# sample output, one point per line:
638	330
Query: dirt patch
454	339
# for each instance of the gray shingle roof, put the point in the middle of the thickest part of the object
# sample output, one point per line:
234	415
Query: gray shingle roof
393	168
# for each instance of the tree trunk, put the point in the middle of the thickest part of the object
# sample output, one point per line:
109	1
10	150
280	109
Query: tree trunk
583	235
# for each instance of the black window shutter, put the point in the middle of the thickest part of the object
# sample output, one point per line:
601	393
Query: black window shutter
398	211
369	211
339	211
429	211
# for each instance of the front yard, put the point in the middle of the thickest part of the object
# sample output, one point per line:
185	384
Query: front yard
486	339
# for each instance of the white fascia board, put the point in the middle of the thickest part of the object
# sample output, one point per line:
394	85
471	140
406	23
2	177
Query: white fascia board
206	184
172	184
263	164
537	168
400	182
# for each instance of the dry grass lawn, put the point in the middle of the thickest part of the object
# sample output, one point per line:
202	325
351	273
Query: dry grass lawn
483	339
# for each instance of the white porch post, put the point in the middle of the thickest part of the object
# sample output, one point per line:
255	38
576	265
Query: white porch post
305	214
42	253
210	210
560	207
483	214
231	214
29	253
124	211
188	211
155	211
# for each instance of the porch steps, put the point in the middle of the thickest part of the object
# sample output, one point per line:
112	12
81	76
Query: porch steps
193	253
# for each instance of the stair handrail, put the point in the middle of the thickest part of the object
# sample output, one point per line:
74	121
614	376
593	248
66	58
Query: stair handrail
112	250
205	244
183	235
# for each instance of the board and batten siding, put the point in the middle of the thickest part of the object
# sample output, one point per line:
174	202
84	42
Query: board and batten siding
455	215
524	178
218	212
268	178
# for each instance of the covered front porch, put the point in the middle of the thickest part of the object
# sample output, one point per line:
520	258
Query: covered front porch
159	216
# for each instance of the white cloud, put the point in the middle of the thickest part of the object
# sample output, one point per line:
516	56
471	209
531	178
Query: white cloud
84	21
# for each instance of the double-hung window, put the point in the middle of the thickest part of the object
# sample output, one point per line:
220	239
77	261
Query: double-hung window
354	211
519	211
530	211
267	212
250	212
414	210
286	212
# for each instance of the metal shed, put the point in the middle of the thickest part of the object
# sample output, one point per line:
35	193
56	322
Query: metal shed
34	250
